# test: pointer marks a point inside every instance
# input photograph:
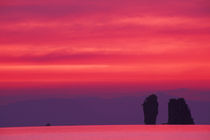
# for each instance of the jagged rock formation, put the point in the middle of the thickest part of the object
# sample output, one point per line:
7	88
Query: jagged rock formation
150	108
179	112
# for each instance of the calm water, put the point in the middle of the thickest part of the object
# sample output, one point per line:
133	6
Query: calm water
108	132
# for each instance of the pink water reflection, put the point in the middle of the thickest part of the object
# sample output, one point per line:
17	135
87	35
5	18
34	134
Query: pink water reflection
108	132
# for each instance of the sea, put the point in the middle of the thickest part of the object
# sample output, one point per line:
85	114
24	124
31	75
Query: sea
107	132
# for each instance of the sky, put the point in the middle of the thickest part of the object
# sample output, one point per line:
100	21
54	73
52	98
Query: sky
104	48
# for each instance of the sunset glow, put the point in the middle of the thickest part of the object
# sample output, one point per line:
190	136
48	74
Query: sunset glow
157	44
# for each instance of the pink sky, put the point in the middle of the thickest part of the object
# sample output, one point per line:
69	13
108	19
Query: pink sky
157	44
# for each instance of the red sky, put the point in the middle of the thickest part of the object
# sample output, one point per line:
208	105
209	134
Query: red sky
154	45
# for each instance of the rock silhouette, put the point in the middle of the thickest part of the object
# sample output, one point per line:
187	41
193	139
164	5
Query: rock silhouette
48	124
179	112
150	108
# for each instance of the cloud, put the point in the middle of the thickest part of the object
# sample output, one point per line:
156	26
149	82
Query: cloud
139	40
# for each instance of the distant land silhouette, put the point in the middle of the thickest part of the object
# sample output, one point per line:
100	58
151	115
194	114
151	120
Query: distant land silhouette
92	111
179	112
150	108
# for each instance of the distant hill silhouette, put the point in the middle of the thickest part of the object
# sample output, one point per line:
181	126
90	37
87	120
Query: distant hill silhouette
179	112
150	107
